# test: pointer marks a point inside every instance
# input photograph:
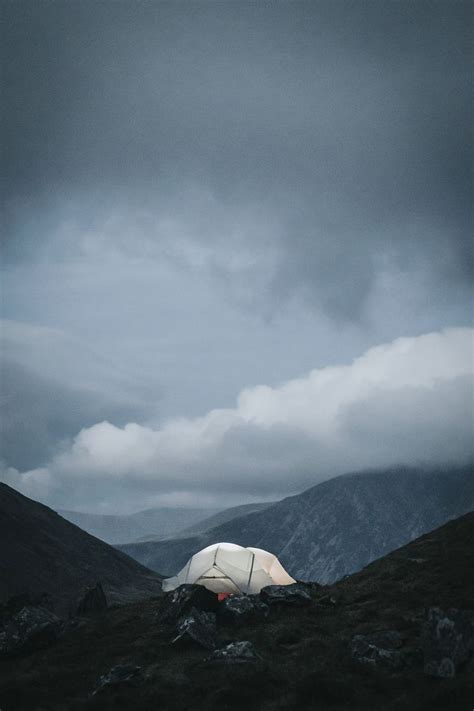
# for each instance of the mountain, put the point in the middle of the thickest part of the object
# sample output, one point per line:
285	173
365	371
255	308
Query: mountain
308	656
216	520
40	552
336	527
157	523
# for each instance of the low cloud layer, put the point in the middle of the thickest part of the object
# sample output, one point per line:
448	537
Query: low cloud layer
405	402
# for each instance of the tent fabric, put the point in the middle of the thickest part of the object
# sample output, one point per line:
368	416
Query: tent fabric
229	568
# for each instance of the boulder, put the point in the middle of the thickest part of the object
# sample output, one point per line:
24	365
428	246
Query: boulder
447	641
327	600
118	675
311	585
198	627
236	653
179	602
14	604
238	609
93	601
379	649
296	595
28	629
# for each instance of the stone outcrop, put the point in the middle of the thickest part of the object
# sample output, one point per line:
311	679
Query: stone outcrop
379	649
236	653
179	602
93	601
198	627
296	595
118	675
237	609
448	641
28	629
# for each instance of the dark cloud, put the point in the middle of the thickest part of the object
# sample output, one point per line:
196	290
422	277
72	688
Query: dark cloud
346	124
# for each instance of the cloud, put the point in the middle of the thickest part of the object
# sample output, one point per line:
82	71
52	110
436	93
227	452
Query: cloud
199	199
287	151
404	402
53	385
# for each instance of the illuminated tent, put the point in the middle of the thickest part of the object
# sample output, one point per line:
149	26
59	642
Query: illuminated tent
228	568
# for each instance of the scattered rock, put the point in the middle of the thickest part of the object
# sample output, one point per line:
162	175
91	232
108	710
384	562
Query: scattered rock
328	600
447	640
182	600
93	601
286	595
120	674
310	585
379	649
199	627
237	609
30	628
236	653
17	602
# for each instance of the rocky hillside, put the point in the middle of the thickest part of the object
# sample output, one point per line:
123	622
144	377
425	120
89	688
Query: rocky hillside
398	636
157	523
40	552
337	527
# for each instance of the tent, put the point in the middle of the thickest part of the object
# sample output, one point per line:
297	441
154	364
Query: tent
228	568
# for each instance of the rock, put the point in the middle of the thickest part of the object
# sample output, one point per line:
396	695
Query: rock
199	627
30	628
447	641
182	600
311	585
236	653
93	601
17	602
120	674
327	600
379	649
285	595
238	609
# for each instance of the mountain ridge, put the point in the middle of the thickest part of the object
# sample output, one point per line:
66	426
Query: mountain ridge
159	522
217	519
336	527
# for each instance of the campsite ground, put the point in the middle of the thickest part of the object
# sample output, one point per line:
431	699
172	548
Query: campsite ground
305	652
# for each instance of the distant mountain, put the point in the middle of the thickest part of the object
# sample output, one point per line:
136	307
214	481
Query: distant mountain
337	527
40	552
216	520
157	523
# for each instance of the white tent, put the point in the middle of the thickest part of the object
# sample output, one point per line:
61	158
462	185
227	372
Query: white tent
228	568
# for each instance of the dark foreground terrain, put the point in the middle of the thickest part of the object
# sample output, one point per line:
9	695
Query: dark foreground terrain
370	642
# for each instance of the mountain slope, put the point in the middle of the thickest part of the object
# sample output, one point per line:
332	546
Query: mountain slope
337	527
157	523
42	552
305	658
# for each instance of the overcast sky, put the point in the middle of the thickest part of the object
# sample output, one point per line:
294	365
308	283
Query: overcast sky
236	253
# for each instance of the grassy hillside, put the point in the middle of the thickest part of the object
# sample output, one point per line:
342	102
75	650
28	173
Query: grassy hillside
40	552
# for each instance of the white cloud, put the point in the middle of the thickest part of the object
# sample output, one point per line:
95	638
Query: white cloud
405	402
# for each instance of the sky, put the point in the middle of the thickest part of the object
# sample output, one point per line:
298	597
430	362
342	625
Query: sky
236	252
